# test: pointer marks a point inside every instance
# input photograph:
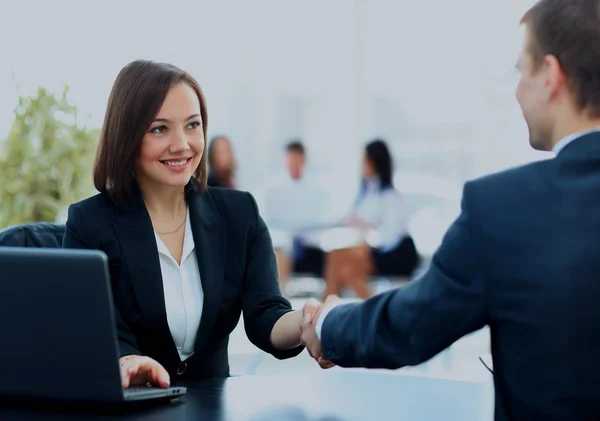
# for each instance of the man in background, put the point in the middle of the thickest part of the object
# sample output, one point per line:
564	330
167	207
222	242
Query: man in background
293	208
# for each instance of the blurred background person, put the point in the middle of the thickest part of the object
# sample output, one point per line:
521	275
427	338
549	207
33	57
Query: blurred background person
294	207
221	163
386	248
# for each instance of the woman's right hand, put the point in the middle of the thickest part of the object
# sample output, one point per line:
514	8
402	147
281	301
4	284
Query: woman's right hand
137	370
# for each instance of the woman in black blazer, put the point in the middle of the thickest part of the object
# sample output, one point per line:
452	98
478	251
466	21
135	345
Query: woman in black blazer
185	260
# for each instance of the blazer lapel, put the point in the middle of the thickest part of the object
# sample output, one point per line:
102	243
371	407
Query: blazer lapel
135	234
209	239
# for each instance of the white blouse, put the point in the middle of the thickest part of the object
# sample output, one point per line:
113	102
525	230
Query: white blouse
384	211
184	297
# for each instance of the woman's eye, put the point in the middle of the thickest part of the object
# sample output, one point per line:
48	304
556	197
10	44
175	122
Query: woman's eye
158	130
194	125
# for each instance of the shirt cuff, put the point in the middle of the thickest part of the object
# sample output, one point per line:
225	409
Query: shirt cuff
321	320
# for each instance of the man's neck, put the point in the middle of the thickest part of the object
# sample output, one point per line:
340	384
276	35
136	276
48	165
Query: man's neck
574	126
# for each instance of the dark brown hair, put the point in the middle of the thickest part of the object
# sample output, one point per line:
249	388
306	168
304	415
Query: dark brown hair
570	31
136	97
295	146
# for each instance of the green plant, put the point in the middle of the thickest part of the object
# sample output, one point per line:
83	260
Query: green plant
46	161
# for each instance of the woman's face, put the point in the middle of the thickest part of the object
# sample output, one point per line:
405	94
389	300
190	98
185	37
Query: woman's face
223	158
173	144
367	168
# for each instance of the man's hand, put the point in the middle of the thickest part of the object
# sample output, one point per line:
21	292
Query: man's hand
309	336
137	370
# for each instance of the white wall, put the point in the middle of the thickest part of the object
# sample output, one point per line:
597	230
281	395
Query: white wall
437	82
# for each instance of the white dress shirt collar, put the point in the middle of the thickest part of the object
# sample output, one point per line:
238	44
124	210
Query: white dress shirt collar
560	145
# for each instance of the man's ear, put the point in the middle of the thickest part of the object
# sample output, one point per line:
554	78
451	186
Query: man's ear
555	79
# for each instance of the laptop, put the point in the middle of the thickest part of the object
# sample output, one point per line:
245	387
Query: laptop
57	329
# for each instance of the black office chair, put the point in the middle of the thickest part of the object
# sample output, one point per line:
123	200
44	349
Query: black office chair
35	234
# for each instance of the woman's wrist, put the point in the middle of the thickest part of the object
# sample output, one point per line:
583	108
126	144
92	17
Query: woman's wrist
125	358
300	319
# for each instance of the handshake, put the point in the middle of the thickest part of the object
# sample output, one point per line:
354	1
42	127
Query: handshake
313	313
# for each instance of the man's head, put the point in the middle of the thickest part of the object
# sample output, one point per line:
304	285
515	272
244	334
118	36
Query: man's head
295	159
559	89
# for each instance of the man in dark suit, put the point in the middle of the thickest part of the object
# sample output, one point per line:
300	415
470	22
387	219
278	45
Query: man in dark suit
522	257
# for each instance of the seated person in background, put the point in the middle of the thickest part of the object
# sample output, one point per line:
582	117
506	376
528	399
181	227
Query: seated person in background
221	163
386	247
185	259
295	207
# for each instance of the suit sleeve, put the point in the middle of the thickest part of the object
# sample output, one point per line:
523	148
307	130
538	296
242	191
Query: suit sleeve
410	325
262	301
76	238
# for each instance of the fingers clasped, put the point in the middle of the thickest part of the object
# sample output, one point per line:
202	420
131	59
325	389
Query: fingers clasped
309	338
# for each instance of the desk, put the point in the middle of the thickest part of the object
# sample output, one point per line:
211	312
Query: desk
339	396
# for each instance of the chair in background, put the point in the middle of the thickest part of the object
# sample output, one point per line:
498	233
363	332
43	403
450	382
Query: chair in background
35	234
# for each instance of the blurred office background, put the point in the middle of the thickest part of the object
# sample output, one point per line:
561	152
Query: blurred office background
434	79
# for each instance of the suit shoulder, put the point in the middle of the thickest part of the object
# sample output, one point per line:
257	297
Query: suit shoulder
96	208
230	197
231	203
225	193
515	178
96	201
502	195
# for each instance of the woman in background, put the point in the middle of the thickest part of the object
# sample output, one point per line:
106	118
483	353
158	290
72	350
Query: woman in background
378	214
185	259
221	163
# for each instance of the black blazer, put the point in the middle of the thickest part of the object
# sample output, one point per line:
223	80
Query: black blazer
237	268
213	180
523	258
